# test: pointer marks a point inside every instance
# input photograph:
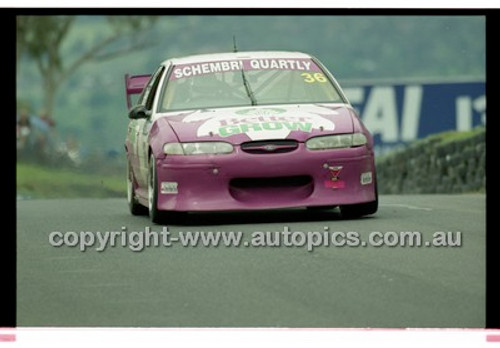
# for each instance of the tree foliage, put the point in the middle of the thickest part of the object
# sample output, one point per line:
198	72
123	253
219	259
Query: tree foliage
41	38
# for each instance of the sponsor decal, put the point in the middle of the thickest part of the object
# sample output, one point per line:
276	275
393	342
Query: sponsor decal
261	111
334	172
190	70
401	113
334	182
169	187
262	123
366	178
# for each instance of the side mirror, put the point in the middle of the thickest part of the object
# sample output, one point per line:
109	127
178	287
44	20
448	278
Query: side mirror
138	112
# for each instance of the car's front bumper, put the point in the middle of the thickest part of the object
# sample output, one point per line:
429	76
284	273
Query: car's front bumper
242	181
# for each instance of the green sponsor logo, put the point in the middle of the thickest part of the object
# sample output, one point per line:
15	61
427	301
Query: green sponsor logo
229	130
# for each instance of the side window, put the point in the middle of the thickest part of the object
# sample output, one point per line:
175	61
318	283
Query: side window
147	95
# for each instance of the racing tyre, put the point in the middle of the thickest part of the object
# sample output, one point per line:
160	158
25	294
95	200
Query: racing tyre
353	211
321	208
154	214
133	204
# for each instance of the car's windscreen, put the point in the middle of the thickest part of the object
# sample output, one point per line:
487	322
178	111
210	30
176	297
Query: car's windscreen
246	82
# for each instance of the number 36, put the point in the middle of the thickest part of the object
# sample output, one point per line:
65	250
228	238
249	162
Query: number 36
316	77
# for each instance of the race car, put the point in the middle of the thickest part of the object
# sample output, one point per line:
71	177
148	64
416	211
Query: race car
245	131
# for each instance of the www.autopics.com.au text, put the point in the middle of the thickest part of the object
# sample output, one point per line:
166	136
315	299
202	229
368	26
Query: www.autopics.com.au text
139	240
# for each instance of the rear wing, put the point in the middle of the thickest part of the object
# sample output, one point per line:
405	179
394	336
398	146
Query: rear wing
134	85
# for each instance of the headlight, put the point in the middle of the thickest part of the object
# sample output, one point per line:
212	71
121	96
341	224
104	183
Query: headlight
336	141
205	148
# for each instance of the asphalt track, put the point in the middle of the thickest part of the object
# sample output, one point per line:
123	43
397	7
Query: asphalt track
380	287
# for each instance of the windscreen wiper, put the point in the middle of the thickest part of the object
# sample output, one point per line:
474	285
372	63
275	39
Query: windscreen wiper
247	87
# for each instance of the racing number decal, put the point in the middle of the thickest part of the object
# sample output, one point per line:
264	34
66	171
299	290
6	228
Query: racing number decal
316	77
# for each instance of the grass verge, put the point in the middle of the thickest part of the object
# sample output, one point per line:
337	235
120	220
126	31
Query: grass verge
35	181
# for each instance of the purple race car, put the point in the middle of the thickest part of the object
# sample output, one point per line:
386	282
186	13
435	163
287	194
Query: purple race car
246	131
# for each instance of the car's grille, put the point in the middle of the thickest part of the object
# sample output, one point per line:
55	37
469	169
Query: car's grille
269	146
276	182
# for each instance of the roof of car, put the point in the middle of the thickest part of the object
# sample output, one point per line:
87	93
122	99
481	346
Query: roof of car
236	55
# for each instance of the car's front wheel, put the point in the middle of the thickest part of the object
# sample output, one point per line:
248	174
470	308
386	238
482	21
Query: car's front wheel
154	214
133	204
353	211
321	207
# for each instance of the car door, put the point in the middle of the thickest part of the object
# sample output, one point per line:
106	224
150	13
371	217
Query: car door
144	126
